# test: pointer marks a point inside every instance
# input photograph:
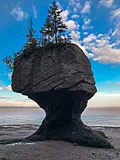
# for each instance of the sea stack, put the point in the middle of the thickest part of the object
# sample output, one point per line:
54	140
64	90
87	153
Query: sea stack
60	80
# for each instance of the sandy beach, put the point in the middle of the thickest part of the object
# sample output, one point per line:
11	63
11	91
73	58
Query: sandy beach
55	150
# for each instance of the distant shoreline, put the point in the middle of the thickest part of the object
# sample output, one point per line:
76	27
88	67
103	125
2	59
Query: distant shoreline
18	107
34	107
36	125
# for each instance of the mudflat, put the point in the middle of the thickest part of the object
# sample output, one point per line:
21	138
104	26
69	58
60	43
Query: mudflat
54	150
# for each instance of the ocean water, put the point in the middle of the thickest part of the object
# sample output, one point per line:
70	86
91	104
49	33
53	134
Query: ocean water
109	116
34	116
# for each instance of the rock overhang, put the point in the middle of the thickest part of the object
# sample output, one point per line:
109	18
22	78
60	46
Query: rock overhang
55	68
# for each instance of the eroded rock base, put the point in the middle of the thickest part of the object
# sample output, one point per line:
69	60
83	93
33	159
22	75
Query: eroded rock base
75	133
63	119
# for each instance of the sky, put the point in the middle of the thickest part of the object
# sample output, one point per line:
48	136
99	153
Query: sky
94	25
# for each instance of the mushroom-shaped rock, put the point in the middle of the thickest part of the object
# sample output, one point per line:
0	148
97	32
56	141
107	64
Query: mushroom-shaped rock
60	80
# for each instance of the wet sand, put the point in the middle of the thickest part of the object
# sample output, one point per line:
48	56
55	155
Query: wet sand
55	150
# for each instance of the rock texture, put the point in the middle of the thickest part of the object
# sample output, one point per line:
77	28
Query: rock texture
60	80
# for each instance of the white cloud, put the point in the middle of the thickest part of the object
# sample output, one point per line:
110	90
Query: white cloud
1	88
71	25
86	24
86	8
15	99
77	5
101	48
118	83
116	13
107	99
74	3
85	33
100	35
19	14
115	18
87	21
10	75
106	3
64	15
59	6
74	6
17	103
116	32
107	55
9	87
90	38
34	11
75	16
75	35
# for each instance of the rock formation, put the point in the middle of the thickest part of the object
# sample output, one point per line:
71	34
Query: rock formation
60	80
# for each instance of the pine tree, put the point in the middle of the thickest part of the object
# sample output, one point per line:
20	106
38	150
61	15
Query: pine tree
54	28
46	33
9	62
32	43
28	48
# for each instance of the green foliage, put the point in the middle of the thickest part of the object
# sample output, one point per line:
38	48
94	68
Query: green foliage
53	32
9	62
54	29
28	48
32	42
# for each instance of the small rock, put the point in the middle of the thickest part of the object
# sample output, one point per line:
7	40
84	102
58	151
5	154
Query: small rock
75	144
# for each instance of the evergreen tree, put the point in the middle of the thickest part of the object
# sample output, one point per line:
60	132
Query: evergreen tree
46	33
54	28
32	43
28	48
9	62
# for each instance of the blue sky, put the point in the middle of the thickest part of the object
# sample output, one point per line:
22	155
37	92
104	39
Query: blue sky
93	25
